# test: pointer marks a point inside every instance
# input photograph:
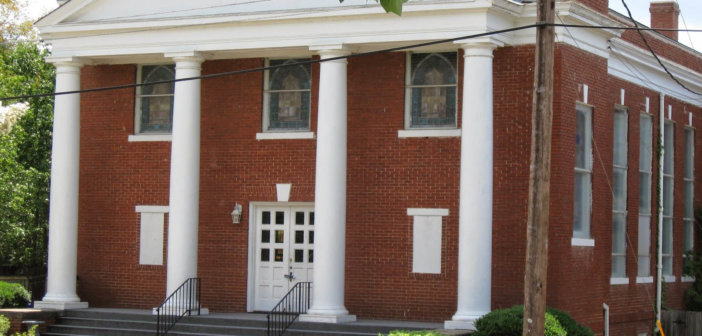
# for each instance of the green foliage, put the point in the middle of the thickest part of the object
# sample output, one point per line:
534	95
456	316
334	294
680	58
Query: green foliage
25	154
4	325
693	294
13	295
394	6
508	322
32	332
412	333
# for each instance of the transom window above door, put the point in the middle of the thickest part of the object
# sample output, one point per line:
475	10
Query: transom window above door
286	96
430	90
154	103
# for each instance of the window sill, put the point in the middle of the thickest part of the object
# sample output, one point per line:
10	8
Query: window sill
152	208
585	242
688	279
284	135
428	133
618	281
150	137
669	278
644	280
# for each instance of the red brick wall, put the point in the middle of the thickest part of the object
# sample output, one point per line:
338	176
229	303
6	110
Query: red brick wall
665	15
386	175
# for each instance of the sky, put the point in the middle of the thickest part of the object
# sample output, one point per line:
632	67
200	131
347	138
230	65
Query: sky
690	15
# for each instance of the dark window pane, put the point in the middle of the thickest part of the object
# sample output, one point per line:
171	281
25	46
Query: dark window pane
266	218
299	237
311	218
311	237
279	236
265	236
299	256
299	218
310	256
265	255
278	255
280	217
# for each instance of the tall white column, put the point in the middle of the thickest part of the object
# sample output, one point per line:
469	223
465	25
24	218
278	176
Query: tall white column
475	204
63	211
185	173
330	193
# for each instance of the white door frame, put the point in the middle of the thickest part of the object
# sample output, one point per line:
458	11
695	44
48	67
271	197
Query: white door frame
253	243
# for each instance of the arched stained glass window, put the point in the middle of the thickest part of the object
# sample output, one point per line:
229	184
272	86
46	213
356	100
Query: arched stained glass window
287	96
431	88
155	102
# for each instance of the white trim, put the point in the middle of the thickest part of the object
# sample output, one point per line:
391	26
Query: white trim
284	135
150	137
643	280
427	212
669	278
687	279
428	133
152	208
618	281
283	191
586	242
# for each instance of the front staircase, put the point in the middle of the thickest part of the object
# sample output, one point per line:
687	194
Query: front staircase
125	322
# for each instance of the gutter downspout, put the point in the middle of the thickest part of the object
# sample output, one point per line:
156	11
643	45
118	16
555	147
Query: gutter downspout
659	243
606	319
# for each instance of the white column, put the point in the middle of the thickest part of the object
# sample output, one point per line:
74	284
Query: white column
185	173
330	193
475	204
63	211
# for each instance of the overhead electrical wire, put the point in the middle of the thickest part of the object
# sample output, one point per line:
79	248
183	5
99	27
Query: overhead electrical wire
312	61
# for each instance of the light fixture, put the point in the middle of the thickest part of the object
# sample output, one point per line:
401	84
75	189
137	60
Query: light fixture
236	214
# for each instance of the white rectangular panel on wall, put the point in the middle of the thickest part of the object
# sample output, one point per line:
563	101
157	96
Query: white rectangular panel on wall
151	239
426	244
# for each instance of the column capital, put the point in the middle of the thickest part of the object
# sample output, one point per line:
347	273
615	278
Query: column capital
186	56
331	50
69	61
479	47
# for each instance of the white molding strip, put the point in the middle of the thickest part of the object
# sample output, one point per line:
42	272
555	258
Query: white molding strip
585	242
428	133
427	212
644	280
150	137
152	208
670	278
284	135
618	281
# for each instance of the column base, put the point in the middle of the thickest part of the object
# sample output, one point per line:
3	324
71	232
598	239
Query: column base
463	321
324	318
60	305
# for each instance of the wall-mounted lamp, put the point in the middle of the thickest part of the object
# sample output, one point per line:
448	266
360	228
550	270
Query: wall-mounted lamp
236	214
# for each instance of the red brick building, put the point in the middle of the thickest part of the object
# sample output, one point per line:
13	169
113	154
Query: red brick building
396	182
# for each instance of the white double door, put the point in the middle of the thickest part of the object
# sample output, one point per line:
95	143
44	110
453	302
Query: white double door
284	252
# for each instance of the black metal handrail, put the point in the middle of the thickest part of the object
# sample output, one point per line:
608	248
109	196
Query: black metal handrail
296	302
183	301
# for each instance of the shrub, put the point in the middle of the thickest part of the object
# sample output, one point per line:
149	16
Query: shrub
508	322
13	295
4	325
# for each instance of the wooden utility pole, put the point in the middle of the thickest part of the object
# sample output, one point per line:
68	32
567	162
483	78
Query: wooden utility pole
539	175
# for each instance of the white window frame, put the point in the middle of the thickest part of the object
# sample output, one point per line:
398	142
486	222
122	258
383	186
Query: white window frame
645	173
583	237
619	110
279	133
138	135
443	131
689	195
668	225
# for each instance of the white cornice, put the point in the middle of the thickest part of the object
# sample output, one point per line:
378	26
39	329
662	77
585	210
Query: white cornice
634	64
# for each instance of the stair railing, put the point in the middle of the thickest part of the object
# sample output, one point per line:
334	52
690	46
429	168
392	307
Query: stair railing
296	302
183	301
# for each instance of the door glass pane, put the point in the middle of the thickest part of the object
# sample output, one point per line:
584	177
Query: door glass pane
311	237
265	236
280	217
266	218
265	255
299	218
299	256
279	236
311	218
278	255
299	237
310	256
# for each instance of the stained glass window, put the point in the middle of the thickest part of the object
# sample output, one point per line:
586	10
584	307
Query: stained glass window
431	87
287	96
155	102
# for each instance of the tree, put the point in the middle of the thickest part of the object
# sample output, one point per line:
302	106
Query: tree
25	153
394	6
13	23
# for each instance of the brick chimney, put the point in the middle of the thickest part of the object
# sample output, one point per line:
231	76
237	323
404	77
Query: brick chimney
664	14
